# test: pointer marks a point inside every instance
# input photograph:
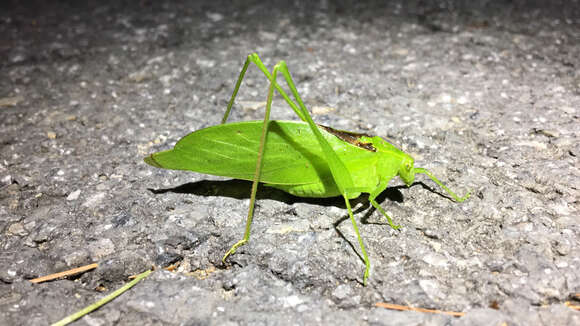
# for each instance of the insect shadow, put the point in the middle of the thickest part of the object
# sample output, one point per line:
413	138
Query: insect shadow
238	189
392	193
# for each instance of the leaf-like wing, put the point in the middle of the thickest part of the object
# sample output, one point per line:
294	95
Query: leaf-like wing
292	154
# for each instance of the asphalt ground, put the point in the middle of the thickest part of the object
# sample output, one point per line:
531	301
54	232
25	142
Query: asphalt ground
484	94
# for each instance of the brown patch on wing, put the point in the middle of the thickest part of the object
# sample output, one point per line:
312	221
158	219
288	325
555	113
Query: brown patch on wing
351	138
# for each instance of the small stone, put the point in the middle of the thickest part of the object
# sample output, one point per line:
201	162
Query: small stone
433	234
139	76
167	258
17	229
252	105
318	110
76	258
74	195
431	289
435	260
496	266
563	248
7	179
101	248
291	301
214	16
10	101
342	291
51	135
94	200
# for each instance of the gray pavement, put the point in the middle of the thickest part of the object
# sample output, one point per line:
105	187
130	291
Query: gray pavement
485	94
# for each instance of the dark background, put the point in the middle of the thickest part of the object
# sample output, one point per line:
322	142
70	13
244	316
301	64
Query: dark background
483	93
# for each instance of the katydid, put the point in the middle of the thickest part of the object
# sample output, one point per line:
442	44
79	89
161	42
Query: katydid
298	157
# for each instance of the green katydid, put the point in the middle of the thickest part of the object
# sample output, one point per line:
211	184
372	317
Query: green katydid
298	157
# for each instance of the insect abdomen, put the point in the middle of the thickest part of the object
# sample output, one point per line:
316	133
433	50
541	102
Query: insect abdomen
316	190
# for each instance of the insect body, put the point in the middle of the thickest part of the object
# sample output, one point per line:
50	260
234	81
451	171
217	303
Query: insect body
293	161
299	157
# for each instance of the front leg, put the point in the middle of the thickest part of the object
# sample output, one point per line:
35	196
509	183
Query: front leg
373	195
